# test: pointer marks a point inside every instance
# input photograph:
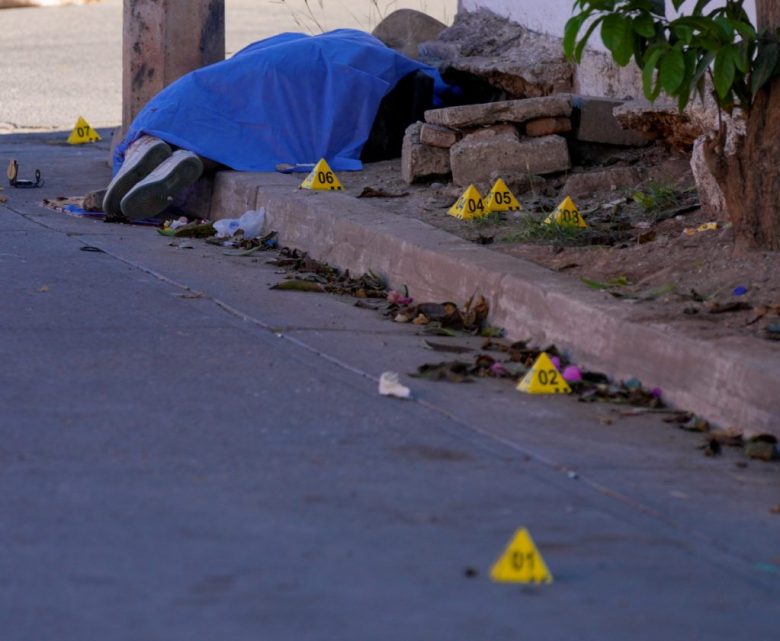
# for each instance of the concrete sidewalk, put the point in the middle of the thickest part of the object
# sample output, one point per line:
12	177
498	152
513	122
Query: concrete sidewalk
732	381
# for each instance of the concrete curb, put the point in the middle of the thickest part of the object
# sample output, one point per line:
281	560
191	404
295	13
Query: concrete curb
733	381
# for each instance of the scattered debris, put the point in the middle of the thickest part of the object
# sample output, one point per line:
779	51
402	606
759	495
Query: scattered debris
13	177
251	246
762	447
446	347
372	192
194	229
772	332
248	225
192	295
297	285
389	385
471	319
692	231
329	279
711	447
715	307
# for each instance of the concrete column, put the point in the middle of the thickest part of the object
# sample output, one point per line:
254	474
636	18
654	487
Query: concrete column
164	39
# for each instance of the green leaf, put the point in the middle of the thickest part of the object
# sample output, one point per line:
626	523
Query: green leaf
723	72
683	32
613	31
725	29
698	80
644	25
625	49
672	71
687	85
764	67
659	8
584	41
648	71
740	56
744	29
700	6
573	26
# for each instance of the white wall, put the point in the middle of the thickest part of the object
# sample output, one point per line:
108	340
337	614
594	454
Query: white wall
550	16
597	75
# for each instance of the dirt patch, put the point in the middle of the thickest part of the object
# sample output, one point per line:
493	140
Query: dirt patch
648	245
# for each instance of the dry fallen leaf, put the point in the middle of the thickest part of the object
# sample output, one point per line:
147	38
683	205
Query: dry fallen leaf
43	289
192	295
295	285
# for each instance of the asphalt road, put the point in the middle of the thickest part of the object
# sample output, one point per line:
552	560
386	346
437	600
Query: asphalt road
61	62
189	455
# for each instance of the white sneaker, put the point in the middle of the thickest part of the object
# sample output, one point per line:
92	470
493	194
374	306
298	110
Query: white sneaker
154	193
141	158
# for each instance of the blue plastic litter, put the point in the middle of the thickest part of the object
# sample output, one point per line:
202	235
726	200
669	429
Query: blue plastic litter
740	291
291	98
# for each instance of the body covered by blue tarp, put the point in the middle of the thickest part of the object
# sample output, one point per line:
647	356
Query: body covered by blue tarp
291	98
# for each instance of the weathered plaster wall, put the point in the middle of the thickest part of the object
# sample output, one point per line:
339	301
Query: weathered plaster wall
597	75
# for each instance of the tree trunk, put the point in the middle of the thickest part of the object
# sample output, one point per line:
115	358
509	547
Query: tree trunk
750	179
768	12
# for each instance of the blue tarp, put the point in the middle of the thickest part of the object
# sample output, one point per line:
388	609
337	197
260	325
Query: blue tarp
291	98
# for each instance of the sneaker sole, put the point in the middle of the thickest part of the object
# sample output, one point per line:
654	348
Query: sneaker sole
149	198
124	182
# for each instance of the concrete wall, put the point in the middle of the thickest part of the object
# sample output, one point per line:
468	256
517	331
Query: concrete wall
597	75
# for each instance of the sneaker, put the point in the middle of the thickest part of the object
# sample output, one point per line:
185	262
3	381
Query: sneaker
140	159
155	192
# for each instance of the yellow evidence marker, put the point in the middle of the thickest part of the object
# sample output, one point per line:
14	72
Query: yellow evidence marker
501	198
543	378
521	562
469	206
567	214
83	133
322	177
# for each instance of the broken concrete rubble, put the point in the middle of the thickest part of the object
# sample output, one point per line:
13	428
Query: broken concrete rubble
516	111
660	121
584	185
475	157
512	138
438	136
486	48
419	161
597	123
547	126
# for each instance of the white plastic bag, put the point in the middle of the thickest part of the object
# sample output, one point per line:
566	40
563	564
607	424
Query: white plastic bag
251	224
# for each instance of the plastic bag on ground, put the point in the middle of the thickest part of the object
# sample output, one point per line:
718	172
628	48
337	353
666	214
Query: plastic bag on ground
250	223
